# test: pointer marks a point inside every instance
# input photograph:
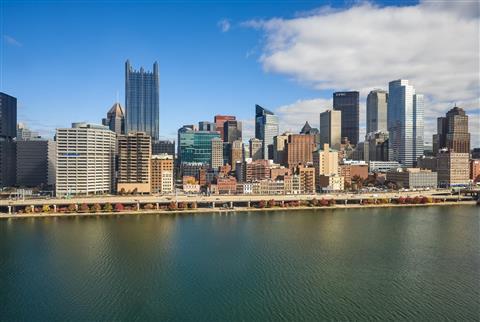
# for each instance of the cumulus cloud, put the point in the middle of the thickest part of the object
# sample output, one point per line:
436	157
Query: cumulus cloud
434	45
224	25
12	41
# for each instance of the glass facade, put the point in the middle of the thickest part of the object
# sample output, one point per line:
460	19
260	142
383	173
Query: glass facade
405	123
266	128
196	146
377	111
142	101
349	104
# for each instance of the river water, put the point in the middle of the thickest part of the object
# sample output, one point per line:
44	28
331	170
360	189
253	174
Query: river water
358	264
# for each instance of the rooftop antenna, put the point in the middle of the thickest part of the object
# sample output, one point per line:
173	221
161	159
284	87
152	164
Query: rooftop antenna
117	101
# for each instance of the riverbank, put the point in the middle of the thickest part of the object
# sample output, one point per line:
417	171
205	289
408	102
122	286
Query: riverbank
200	211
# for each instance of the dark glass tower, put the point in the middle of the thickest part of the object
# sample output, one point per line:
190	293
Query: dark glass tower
349	104
142	101
8	131
266	128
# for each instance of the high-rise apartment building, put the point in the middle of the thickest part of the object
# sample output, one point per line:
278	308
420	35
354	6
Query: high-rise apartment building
217	153
325	162
299	149
219	120
330	128
405	122
36	162
232	131
255	149
377	102
349	104
452	132
85	155
134	163
266	128
142	101
162	179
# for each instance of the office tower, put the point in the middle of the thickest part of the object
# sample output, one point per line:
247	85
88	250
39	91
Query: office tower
195	146
85	154
219	120
377	145
142	101
183	129
348	104
217	153
330	128
163	147
115	119
279	148
134	163
206	126
299	149
452	132
24	133
452	168
377	101
307	129
405	122
8	131
236	153
255	149
36	163
232	131
412	178
266	128
162	173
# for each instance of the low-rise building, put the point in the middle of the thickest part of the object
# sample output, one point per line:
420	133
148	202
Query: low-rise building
331	183
349	171
382	166
244	188
162	173
475	170
227	185
413	178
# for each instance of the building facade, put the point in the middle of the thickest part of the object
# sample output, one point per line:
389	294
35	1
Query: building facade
115	119
219	120
349	104
236	154
232	131
452	132
266	128
453	168
196	146
377	145
325	162
377	102
163	147
299	149
405	123
8	131
36	163
142	101
85	155
413	178
330	128
162	179
255	149
134	163
217	153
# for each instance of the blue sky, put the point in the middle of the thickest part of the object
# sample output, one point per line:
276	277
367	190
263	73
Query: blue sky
64	60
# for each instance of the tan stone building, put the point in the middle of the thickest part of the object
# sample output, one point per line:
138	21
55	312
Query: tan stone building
331	183
134	163
453	168
162	179
307	179
325	162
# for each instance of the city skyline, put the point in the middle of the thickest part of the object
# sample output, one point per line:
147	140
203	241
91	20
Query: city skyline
245	38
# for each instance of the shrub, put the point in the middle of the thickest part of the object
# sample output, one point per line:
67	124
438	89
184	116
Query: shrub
28	209
71	208
119	207
271	203
95	208
193	205
401	200
181	205
84	207
323	202
148	206
314	202
331	202
172	206
261	204
107	207
122	191
46	208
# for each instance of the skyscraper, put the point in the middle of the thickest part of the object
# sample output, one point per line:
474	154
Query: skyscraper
266	128
232	131
349	104
255	149
405	123
330	128
299	149
452	132
219	120
377	101
217	153
8	131
236	153
115	119
142	101
36	160
195	146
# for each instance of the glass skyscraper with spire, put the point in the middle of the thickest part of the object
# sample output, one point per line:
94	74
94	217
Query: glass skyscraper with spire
142	101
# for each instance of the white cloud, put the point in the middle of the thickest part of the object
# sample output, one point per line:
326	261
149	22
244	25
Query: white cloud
12	41
434	45
224	25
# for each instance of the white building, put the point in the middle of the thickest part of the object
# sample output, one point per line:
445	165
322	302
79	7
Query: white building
85	154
